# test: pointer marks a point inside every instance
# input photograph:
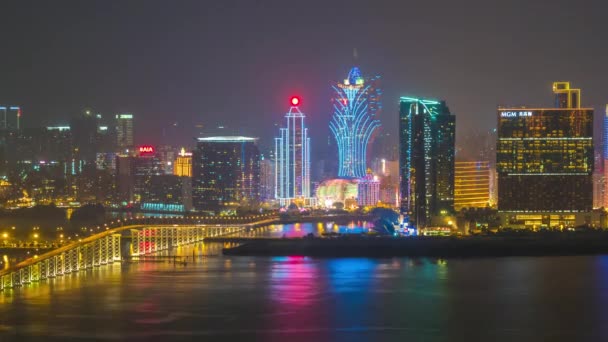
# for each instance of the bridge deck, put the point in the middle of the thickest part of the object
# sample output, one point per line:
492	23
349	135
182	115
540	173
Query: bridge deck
104	247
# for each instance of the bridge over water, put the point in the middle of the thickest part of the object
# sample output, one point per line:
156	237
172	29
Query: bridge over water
107	248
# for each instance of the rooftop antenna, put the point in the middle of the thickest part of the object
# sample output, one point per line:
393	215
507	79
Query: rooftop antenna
355	55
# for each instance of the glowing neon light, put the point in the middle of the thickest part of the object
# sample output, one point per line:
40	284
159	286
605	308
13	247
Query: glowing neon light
58	128
515	114
292	158
353	123
146	149
227	139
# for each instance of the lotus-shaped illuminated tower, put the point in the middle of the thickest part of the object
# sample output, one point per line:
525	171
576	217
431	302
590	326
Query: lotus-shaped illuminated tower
356	103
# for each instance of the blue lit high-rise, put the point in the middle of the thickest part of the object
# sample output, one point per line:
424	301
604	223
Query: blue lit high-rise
356	103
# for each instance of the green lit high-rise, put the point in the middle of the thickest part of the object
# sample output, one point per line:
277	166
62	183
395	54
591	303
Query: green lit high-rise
427	132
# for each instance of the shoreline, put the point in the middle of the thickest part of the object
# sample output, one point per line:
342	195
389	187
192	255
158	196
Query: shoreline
439	247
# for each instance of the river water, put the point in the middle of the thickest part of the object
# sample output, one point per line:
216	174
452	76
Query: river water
216	298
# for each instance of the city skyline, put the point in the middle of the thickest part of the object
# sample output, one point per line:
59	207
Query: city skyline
134	72
344	170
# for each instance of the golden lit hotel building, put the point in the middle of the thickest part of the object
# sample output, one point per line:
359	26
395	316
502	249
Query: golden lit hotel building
544	160
471	185
183	164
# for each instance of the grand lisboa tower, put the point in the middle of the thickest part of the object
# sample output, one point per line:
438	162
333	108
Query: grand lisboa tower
356	102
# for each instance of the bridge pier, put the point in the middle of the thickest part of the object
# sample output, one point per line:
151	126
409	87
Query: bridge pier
116	255
35	272
24	275
59	265
51	267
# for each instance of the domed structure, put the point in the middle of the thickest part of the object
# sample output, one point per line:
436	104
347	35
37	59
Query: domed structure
355	77
336	190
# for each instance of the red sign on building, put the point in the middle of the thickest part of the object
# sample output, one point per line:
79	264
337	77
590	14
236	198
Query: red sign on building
146	149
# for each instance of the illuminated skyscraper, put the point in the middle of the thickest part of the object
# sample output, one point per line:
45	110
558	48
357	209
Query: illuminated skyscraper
134	174
183	164
124	131
601	192
292	158
426	158
225	173
565	97
544	160
356	103
472	185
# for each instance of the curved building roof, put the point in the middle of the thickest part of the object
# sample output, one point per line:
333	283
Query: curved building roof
227	139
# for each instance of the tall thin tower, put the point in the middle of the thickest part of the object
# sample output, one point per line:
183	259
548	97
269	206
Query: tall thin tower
292	159
427	131
356	103
124	131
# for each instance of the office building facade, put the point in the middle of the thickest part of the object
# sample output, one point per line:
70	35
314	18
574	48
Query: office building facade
124	131
84	128
134	175
545	162
471	185
426	158
368	190
267	179
225	173
10	118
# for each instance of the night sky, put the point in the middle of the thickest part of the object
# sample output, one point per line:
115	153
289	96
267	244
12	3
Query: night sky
236	62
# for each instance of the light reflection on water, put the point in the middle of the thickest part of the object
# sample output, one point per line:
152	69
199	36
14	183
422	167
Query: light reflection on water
317	299
317	229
